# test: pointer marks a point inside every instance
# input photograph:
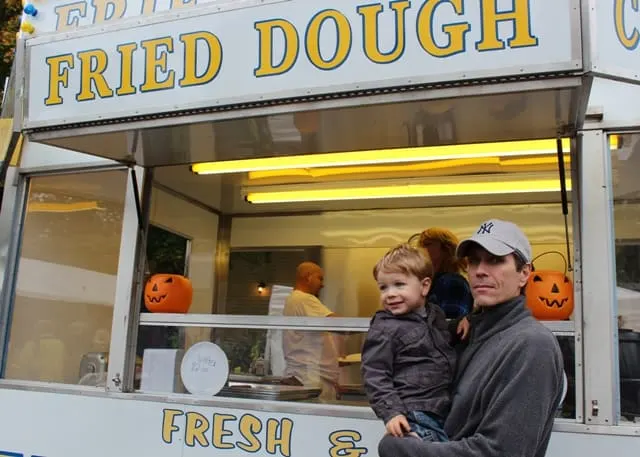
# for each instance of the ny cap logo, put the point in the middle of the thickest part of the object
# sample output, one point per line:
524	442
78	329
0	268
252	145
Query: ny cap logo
485	229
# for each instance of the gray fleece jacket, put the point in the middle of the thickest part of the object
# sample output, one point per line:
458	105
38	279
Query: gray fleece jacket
507	389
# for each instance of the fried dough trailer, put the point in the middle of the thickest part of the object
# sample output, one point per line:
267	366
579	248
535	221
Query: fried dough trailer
229	140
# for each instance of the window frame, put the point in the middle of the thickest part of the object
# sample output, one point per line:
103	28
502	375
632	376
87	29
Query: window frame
8	292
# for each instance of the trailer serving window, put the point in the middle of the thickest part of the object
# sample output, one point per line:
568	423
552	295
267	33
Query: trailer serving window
342	212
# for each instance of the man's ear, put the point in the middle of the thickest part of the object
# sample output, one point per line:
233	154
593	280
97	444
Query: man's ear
526	271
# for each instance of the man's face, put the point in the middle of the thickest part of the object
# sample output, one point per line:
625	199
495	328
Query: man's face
315	281
494	279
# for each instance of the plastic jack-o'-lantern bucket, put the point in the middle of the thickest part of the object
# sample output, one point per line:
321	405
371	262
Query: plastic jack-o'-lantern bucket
167	293
550	293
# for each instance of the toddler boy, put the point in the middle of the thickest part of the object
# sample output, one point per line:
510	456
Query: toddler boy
408	362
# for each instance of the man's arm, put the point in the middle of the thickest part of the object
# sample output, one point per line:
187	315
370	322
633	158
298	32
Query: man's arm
313	307
522	400
377	375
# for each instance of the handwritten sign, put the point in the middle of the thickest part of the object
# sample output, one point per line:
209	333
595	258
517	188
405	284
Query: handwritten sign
204	369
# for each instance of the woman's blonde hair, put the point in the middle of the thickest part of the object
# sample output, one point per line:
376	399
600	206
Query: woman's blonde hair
448	244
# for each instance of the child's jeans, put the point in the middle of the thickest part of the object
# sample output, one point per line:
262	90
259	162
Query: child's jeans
427	426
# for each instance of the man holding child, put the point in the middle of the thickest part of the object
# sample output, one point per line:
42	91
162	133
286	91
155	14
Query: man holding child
506	387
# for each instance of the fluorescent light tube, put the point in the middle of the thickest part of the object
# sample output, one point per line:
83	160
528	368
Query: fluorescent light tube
405	189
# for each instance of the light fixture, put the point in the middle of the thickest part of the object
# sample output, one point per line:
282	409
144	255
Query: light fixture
450	167
390	156
444	187
383	156
261	287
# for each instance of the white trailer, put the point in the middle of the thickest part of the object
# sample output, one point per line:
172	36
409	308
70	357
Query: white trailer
228	140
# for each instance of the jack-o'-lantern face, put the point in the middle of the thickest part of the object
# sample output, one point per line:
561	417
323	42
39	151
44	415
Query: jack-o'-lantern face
165	293
550	295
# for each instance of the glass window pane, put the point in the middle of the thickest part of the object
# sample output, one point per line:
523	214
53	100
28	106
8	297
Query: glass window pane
66	279
568	408
625	161
262	243
347	245
167	253
258	360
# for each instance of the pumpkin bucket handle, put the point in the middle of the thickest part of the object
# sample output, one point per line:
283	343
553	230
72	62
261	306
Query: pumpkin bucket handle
551	252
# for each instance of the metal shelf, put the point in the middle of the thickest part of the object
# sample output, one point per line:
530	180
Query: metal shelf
344	324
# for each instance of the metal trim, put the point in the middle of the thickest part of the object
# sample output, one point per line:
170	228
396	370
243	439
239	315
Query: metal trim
19	85
588	26
284	407
314	212
126	307
140	255
598	282
257	322
406	89
344	324
353	412
564	327
11	272
70	169
25	93
581	103
563	426
576	211
577	42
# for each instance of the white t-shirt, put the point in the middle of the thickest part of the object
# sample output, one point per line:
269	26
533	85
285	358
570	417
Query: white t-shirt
310	356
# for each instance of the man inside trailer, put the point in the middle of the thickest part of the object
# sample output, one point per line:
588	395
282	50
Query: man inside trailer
509	379
311	356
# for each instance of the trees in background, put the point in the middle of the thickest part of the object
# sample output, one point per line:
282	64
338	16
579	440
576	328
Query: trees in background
10	11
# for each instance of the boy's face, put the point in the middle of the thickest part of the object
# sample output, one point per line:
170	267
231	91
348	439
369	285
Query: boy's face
400	293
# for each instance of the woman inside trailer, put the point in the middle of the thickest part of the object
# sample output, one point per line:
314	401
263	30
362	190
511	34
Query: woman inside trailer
449	290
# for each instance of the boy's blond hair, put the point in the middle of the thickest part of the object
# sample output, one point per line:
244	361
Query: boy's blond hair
407	260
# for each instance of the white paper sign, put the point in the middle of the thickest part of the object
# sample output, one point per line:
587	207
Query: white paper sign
274	352
204	369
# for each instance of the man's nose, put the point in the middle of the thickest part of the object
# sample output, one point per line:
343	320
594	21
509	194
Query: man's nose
480	269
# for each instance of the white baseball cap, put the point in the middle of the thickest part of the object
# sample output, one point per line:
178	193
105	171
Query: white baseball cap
499	238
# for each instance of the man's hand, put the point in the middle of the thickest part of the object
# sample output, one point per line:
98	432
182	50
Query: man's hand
398	426
463	328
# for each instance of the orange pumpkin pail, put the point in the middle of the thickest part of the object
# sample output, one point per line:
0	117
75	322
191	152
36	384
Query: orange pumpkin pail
550	293
167	293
